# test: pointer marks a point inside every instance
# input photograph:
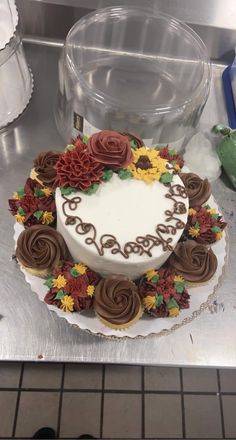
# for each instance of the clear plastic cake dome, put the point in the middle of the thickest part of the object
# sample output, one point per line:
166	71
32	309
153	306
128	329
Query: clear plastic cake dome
132	70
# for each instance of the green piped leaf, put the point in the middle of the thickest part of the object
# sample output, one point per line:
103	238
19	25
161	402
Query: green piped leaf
38	214
38	192
21	192
85	139
92	189
179	286
21	211
172	152
172	303
196	225
155	279
215	216
107	175
159	300
166	178
124	174
215	229
70	147
60	294
74	272
133	145
67	191
48	282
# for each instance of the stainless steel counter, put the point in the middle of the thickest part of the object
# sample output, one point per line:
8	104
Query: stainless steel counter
28	331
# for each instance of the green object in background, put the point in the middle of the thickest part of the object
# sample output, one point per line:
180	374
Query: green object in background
226	151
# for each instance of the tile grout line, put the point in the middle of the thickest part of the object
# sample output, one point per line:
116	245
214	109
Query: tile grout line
143	404
112	438
221	403
18	400
60	401
117	391
182	402
102	399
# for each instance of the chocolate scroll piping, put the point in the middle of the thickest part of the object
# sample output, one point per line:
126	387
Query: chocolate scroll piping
142	244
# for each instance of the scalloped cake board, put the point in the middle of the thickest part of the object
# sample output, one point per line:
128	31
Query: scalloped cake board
200	296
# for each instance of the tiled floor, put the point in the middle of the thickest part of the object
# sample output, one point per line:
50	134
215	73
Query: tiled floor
112	402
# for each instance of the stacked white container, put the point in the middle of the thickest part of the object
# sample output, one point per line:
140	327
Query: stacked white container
16	81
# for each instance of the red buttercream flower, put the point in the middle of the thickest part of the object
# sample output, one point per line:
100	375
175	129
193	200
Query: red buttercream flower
111	149
65	268
31	185
207	237
33	201
146	288
202	221
77	285
161	311
177	158
93	277
47	204
78	169
184	300
82	302
78	142
166	287
29	204
50	298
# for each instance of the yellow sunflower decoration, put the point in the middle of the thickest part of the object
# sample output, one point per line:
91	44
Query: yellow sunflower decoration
149	166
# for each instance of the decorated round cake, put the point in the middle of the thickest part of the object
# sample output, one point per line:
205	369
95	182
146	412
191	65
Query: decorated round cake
113	228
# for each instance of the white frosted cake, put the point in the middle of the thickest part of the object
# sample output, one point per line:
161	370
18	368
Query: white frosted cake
127	227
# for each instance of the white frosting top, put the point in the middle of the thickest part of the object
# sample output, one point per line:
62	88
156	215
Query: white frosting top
125	209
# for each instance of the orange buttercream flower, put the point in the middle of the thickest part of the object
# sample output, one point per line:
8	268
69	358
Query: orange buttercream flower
174	312
59	282
194	232
67	304
149	302
47	218
90	290
20	218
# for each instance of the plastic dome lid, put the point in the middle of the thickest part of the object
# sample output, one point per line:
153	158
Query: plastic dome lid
113	51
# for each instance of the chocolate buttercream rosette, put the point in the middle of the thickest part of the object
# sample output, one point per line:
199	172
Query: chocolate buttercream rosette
198	190
44	167
163	293
40	249
111	149
72	287
194	261
117	302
